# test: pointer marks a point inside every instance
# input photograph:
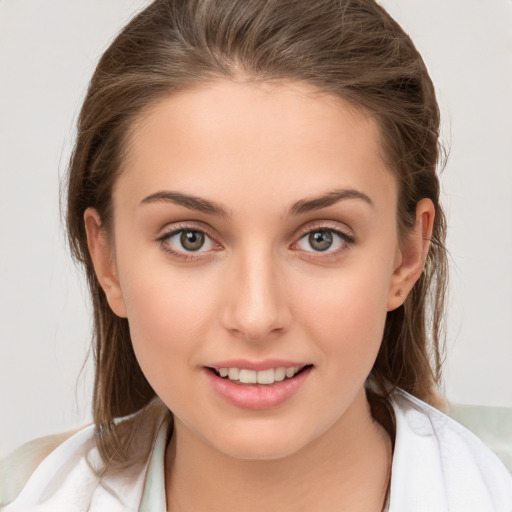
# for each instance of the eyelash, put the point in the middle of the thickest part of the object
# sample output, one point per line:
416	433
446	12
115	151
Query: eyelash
346	239
179	229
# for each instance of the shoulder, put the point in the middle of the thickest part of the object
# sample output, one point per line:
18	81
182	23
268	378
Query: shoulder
41	462
441	464
18	466
66	471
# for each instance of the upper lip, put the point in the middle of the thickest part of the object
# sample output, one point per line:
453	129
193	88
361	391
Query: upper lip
266	364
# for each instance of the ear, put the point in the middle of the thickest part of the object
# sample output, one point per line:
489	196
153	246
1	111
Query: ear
102	255
410	260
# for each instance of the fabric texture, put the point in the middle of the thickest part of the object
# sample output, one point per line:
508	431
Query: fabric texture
438	465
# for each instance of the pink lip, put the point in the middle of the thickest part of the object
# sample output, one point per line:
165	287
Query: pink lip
256	396
256	365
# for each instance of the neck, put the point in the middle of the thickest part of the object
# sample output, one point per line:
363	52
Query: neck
346	468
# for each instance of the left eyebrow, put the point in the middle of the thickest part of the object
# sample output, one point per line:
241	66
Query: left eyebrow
191	202
328	199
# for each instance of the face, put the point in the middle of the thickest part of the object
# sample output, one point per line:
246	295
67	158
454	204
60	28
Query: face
255	254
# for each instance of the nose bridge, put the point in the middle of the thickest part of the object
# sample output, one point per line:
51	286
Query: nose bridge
256	307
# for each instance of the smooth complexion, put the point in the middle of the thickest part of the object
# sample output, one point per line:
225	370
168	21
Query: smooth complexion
255	226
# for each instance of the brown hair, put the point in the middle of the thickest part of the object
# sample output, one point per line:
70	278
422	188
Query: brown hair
349	48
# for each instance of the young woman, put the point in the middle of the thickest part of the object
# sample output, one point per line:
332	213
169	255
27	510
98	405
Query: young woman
253	195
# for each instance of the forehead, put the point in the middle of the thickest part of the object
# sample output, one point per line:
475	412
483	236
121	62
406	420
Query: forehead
285	139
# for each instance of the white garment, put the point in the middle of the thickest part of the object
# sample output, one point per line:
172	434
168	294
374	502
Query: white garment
438	466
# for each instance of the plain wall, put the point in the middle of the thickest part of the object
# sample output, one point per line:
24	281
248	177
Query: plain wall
48	50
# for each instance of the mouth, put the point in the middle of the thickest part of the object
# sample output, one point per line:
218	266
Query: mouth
259	377
257	385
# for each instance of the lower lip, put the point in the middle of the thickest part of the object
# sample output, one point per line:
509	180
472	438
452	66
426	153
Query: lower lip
257	396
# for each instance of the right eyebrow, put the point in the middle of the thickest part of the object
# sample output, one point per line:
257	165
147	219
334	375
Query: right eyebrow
191	202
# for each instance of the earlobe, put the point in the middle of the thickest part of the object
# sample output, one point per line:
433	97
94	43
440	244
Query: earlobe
102	256
412	255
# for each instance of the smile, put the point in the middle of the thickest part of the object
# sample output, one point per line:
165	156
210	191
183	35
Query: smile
267	377
255	388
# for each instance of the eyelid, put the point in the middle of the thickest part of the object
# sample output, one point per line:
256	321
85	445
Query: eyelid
327	226
174	229
334	227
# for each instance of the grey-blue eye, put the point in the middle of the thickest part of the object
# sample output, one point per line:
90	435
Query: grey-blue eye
322	240
190	240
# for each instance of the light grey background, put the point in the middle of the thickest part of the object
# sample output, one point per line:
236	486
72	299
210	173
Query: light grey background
48	50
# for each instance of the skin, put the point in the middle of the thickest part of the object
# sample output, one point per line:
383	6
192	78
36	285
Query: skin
259	289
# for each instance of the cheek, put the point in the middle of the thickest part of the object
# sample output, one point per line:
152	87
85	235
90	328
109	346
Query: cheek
166	313
347	315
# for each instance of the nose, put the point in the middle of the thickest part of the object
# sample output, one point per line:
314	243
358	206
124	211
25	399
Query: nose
256	306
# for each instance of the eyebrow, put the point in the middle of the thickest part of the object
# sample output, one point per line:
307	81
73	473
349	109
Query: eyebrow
191	202
300	207
328	199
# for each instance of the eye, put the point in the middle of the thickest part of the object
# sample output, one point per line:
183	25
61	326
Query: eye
184	241
324	240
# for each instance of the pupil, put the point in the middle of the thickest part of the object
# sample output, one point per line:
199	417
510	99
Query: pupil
320	240
192	240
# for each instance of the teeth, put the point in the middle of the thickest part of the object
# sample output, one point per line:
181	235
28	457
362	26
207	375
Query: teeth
233	373
248	376
262	377
279	374
290	372
266	377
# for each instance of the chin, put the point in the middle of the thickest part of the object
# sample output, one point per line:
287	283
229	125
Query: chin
257	450
262	443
